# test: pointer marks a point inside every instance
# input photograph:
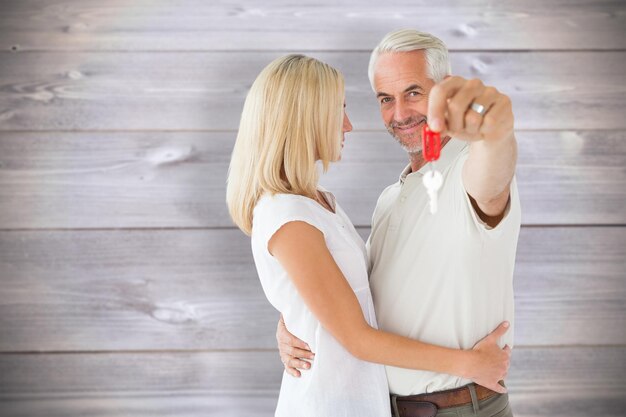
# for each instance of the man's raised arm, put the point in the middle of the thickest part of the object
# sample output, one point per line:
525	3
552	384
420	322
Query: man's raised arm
469	110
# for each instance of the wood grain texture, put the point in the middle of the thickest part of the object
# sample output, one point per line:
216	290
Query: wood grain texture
185	289
198	289
174	403
567	382
321	25
188	91
178	179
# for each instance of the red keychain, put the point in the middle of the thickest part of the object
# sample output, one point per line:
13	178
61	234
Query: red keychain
433	180
431	144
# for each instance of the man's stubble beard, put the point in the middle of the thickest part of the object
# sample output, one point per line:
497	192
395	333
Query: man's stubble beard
415	148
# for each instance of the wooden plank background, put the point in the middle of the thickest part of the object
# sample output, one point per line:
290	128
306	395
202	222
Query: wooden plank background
186	90
125	289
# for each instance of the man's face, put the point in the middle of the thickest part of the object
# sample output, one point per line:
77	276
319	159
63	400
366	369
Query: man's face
402	89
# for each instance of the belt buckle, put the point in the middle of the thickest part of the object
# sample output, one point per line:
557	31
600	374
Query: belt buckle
432	407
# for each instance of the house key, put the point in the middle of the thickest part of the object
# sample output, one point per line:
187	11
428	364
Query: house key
433	180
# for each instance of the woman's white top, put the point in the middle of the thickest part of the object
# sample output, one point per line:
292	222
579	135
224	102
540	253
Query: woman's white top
337	384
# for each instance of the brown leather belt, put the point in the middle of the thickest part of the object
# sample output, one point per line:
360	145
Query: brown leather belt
426	405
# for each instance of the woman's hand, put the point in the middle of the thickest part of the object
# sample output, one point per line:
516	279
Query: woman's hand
489	363
292	350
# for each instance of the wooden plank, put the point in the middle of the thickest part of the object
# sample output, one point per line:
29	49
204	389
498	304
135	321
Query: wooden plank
127	289
567	382
177	179
200	91
198	289
572	177
139	373
152	179
570	286
167	404
322	25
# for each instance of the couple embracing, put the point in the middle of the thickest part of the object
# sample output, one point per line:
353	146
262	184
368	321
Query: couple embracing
417	321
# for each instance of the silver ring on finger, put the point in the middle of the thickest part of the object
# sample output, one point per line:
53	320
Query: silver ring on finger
479	108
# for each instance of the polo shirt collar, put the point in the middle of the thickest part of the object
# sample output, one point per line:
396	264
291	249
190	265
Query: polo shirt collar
448	154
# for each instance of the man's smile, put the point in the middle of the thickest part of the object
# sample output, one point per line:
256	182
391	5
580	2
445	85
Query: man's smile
410	128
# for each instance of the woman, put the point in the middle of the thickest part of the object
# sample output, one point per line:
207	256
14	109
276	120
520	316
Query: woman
310	259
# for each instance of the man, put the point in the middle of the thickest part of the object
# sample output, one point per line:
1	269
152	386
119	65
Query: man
443	278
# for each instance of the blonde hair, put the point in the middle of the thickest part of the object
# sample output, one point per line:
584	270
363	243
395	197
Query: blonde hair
292	116
406	40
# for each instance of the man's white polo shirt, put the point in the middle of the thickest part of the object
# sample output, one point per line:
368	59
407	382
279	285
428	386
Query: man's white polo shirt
444	278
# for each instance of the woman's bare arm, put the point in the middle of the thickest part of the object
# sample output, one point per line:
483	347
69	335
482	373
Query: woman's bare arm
301	249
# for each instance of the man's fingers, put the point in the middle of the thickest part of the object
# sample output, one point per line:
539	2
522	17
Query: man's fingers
295	352
289	339
297	343
291	370
298	364
473	120
295	361
285	337
292	365
500	330
498	118
292	350
459	104
438	102
301	353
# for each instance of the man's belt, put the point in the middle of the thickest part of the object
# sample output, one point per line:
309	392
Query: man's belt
426	405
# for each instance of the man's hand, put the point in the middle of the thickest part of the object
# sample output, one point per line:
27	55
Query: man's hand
491	363
292	350
450	110
469	110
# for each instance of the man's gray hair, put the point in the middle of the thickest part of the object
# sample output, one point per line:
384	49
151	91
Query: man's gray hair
405	40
